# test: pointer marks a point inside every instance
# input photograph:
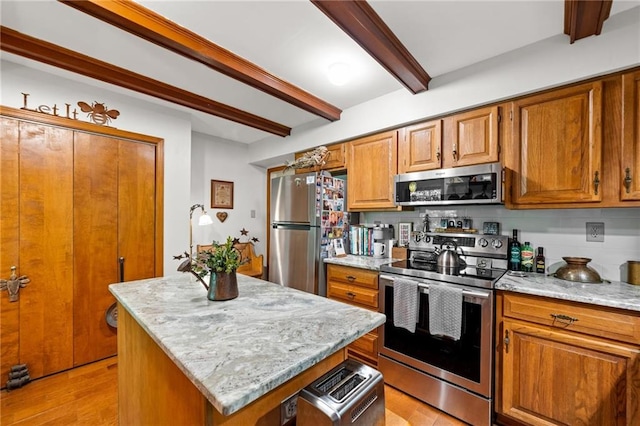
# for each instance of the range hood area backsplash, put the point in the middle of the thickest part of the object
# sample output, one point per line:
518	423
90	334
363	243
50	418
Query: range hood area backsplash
562	232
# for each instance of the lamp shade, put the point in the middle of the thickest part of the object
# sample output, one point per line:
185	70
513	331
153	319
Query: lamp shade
205	219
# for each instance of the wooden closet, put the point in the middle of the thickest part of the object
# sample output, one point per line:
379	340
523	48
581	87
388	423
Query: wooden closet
81	208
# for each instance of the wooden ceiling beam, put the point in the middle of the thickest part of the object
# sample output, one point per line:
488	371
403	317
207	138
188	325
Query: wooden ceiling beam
51	54
142	22
584	18
365	27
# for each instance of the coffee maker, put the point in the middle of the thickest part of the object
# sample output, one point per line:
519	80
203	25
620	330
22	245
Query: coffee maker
383	233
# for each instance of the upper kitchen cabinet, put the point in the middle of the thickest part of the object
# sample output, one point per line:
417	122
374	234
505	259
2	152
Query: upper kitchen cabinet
556	147
373	162
336	159
419	147
630	159
471	138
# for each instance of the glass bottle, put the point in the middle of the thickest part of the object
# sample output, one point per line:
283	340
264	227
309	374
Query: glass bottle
514	252
526	255
540	264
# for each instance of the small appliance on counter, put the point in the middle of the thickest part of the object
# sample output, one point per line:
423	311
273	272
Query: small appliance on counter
350	394
383	234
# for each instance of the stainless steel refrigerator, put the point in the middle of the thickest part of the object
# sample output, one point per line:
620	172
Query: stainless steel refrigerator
307	213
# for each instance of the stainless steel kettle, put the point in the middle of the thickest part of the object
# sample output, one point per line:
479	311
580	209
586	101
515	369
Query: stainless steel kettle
449	262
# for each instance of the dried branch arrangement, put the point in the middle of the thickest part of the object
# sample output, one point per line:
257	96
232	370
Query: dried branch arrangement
314	158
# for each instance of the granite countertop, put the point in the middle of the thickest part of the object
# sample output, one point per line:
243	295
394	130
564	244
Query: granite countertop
615	294
362	262
237	350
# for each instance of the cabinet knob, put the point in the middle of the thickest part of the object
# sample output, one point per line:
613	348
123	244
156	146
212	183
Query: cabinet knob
507	340
455	152
596	182
351	278
351	295
627	179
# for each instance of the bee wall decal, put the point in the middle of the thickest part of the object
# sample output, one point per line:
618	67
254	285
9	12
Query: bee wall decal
98	112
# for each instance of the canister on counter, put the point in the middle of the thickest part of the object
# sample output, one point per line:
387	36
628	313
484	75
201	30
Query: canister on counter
633	272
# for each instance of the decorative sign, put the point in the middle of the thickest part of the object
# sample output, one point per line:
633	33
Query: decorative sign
97	112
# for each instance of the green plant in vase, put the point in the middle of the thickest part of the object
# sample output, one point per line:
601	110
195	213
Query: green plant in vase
221	262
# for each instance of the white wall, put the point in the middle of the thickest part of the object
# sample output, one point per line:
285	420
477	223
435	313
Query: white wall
551	62
562	232
135	116
217	159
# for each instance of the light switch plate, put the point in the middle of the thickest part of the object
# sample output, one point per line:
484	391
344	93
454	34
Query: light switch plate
595	231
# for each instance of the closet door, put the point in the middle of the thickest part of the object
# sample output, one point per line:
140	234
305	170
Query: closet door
95	264
37	238
114	225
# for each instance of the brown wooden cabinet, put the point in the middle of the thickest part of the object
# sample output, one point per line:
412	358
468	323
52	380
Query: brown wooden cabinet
373	162
420	147
73	203
336	159
556	152
561	362
630	158
471	137
358	287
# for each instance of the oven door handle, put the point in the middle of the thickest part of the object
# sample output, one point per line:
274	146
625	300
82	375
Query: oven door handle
422	286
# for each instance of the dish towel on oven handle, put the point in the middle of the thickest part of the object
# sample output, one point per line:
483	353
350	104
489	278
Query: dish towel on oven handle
445	311
405	304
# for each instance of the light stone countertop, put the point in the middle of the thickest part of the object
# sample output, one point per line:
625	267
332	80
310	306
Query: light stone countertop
615	294
362	262
237	350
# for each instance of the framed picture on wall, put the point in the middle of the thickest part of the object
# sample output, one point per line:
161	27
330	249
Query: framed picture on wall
221	194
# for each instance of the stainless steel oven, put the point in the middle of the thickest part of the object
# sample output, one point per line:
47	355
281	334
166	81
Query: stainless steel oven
454	375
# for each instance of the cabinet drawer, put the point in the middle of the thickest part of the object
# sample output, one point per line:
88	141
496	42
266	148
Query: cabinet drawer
355	276
353	294
366	345
596	321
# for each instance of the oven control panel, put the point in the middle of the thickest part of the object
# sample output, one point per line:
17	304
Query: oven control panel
495	246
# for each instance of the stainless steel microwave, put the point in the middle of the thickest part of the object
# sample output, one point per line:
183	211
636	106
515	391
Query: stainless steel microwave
481	184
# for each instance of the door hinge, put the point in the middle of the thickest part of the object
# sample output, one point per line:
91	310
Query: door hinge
18	376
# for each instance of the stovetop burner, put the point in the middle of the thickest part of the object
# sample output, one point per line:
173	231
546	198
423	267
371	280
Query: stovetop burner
484	255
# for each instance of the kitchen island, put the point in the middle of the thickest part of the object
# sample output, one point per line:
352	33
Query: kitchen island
183	359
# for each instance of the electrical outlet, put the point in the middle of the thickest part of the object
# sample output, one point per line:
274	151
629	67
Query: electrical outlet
595	231
288	410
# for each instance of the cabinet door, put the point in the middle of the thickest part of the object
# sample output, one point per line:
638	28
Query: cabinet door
630	160
557	146
373	161
471	138
555	377
419	147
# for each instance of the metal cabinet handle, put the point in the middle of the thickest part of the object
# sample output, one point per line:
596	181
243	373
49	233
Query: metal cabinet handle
438	154
455	152
351	278
121	261
596	182
627	179
14	284
507	340
563	319
351	295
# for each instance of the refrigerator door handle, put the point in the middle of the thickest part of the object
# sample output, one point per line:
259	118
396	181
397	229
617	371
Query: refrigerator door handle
298	226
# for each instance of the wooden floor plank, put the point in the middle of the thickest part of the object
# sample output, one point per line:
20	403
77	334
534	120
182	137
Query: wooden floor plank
88	395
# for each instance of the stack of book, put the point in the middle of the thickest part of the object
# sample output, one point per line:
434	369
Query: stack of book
361	240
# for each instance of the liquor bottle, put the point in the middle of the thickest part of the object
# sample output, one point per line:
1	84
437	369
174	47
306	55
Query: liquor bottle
514	252
526	255
540	266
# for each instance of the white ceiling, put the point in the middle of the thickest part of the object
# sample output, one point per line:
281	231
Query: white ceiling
295	41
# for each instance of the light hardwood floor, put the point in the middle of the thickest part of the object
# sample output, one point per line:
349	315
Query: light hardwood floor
88	395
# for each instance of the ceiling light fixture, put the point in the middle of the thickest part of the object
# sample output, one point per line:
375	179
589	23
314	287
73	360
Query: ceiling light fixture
339	73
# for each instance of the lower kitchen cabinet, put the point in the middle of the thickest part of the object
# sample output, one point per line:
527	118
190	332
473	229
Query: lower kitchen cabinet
561	362
357	287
